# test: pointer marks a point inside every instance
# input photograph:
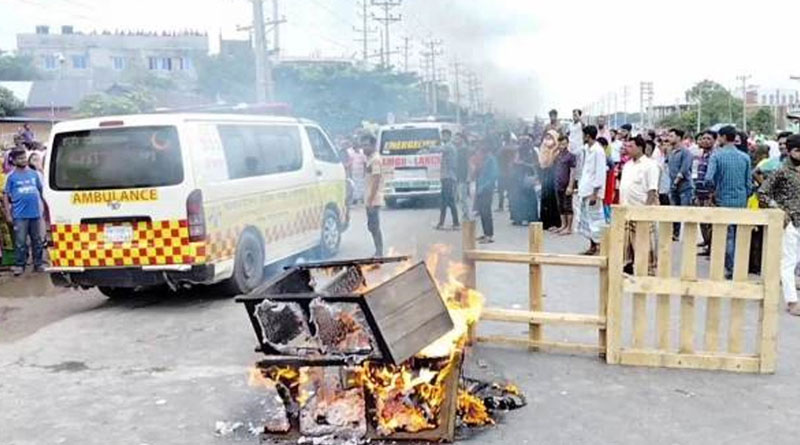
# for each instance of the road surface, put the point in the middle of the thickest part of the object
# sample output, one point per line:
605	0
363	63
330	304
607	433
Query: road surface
77	369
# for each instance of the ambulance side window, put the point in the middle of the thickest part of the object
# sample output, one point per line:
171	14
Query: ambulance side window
260	150
320	146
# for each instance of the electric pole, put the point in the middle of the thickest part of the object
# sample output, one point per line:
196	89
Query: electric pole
276	31
264	91
625	93
646	102
433	52
365	31
744	78
387	20
406	48
457	89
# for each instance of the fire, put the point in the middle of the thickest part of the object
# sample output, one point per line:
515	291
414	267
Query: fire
405	399
472	410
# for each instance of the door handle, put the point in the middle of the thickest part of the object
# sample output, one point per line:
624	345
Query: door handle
319	172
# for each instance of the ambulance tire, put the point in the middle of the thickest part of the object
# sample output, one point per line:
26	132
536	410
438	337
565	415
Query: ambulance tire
248	267
117	293
331	234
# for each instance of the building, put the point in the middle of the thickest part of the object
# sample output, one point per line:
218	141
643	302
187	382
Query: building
659	112
49	99
766	97
102	57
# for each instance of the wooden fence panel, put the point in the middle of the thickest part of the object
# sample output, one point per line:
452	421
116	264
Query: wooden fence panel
763	291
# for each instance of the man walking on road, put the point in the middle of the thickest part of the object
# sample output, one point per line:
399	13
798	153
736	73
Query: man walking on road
781	190
22	198
448	178
591	188
679	164
729	179
373	196
463	156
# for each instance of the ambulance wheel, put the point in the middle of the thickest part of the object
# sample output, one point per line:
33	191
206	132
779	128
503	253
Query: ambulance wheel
117	293
248	267
331	235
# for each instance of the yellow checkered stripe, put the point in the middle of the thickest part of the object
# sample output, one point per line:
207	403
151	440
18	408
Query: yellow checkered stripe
222	243
153	244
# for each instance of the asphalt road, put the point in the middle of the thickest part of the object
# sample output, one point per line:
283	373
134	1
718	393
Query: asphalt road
162	369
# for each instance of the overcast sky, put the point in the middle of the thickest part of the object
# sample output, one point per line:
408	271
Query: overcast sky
532	55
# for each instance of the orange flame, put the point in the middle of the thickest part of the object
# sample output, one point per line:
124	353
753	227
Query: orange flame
472	410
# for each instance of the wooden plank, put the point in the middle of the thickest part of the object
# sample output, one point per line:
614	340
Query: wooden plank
468	245
688	272
615	264
708	215
535	245
770	270
664	272
741	265
641	249
696	288
531	317
719	235
602	304
544	259
543	344
706	361
470	277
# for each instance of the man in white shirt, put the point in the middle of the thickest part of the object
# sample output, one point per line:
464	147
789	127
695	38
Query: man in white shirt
591	189
577	149
638	187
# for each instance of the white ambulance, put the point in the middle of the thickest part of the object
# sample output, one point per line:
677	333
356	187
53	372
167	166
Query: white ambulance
412	171
180	199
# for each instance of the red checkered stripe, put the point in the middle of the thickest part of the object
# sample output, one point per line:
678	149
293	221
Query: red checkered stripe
153	243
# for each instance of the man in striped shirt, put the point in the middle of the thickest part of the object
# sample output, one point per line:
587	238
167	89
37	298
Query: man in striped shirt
729	179
705	141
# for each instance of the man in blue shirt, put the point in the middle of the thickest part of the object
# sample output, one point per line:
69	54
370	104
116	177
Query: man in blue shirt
679	165
23	194
729	178
484	191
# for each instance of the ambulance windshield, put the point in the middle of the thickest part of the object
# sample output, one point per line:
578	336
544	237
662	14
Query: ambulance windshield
408	141
116	158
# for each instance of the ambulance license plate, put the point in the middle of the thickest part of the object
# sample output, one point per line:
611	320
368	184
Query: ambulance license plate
119	234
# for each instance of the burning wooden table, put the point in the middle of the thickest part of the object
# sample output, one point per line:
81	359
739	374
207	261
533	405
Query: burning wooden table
357	361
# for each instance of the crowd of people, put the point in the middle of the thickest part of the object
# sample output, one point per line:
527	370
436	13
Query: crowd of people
568	178
23	228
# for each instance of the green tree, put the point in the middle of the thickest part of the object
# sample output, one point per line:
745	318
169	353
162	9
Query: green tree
762	121
9	104
717	105
105	104
230	78
18	68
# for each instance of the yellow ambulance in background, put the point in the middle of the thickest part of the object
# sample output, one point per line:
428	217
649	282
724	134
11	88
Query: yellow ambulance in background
178	199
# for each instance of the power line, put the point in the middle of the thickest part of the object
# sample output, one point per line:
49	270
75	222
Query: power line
365	30
387	20
434	51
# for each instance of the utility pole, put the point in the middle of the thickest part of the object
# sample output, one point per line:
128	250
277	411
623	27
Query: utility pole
406	48
646	102
744	78
264	91
433	52
276	30
364	31
457	89
625	93
387	20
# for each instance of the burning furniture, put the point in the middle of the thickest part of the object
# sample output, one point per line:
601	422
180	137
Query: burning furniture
356	361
